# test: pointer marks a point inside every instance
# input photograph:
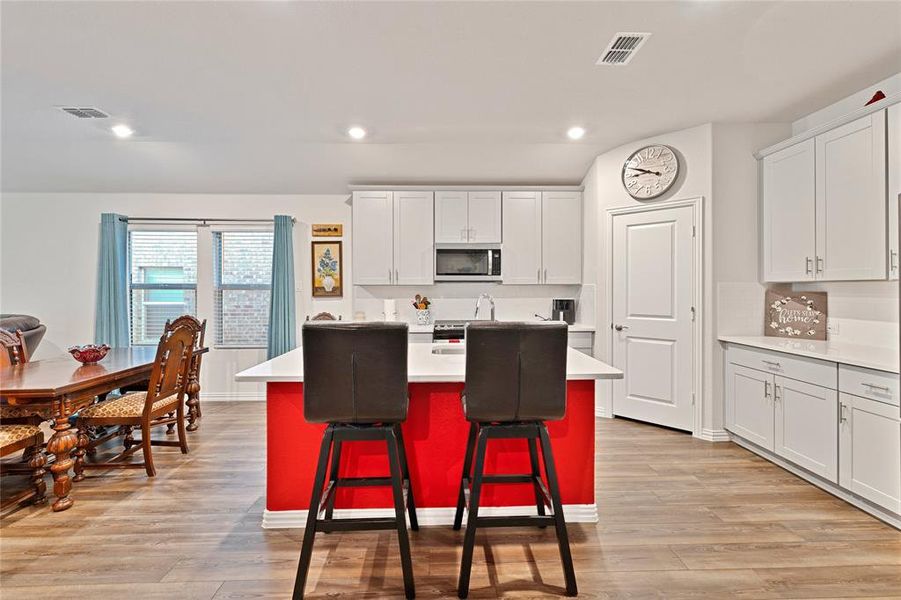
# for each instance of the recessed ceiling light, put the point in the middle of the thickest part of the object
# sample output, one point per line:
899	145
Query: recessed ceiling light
122	131
357	133
575	133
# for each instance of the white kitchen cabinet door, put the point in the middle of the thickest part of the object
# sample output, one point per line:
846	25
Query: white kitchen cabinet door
451	217
851	201
806	421
521	257
893	116
749	404
414	248
788	216
561	237
870	450
373	252
485	217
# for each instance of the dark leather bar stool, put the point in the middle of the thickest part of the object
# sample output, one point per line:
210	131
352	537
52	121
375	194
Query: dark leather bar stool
355	379
515	380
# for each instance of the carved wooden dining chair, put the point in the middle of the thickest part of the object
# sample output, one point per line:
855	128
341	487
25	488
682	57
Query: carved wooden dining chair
30	439
15	352
147	409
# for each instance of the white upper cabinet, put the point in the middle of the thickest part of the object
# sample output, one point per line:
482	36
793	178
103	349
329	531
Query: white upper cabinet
485	217
467	217
851	200
893	116
393	238
789	203
824	206
373	239
521	258
451	217
561	237
414	252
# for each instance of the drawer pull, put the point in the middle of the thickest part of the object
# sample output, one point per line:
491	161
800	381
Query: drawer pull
766	389
842	414
881	388
771	363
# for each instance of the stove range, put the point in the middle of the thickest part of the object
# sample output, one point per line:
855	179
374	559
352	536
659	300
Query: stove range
449	330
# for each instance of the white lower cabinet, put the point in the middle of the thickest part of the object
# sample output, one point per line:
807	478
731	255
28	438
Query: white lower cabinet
806	417
749	404
800	410
870	450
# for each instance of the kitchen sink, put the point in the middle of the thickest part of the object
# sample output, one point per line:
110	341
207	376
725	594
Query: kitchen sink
448	349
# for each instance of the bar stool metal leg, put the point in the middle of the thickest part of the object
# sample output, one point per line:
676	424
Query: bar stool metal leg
306	548
536	473
562	536
469	539
333	478
467	473
397	484
405	469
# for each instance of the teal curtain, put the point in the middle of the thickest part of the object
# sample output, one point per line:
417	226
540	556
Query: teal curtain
282	313
111	316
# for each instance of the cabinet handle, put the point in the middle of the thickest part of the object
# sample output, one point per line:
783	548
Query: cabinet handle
820	264
545	275
893	261
389	277
396	276
539	274
842	417
808	263
771	363
777	395
881	388
766	389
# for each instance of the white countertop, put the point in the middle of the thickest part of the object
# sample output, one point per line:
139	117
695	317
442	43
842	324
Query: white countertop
870	357
423	366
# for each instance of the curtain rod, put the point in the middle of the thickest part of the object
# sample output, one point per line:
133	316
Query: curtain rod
201	221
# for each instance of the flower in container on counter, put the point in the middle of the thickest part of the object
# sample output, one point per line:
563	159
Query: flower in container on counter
423	314
421	302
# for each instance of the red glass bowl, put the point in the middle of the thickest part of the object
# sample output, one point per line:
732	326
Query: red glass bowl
89	354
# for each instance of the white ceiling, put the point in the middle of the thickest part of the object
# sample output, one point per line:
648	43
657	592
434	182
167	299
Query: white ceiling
257	96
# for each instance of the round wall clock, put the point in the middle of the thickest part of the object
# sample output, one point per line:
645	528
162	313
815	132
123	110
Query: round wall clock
650	171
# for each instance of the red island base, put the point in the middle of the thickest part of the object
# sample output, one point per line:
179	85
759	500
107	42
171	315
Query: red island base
435	435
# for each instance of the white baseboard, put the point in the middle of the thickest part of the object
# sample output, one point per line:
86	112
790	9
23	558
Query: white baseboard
437	516
714	435
229	397
877	511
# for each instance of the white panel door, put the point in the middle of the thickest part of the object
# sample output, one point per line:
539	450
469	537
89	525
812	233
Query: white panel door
749	404
561	237
414	248
851	201
653	274
789	223
521	256
373	225
451	217
870	450
806	426
893	115
485	217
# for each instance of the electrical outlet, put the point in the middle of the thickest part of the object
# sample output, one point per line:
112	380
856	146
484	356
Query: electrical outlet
831	327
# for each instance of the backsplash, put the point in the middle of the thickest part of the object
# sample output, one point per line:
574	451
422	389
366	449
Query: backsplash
458	300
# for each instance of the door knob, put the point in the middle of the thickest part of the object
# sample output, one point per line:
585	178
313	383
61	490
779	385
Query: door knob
620	327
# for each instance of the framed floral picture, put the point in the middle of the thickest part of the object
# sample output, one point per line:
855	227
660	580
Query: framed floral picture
328	273
800	315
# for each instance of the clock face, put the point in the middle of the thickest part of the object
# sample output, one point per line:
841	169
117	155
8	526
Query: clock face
651	171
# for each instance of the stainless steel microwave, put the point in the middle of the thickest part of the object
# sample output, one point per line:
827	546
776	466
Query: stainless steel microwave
467	262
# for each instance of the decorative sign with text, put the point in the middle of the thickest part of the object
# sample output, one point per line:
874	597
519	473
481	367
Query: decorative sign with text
800	315
328	230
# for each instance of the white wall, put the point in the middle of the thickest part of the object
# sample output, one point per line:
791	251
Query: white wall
48	262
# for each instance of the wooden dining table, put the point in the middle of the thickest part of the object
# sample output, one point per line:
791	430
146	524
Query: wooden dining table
68	386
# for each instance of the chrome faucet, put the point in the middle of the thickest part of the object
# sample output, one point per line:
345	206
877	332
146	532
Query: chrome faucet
479	304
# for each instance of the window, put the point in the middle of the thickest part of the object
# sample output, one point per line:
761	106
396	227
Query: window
242	273
162	280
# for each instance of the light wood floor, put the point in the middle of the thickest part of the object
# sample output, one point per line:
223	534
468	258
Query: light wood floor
678	518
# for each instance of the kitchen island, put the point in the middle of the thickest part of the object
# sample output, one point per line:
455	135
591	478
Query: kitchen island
435	435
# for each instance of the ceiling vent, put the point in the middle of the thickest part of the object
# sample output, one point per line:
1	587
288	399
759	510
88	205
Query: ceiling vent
84	112
622	48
